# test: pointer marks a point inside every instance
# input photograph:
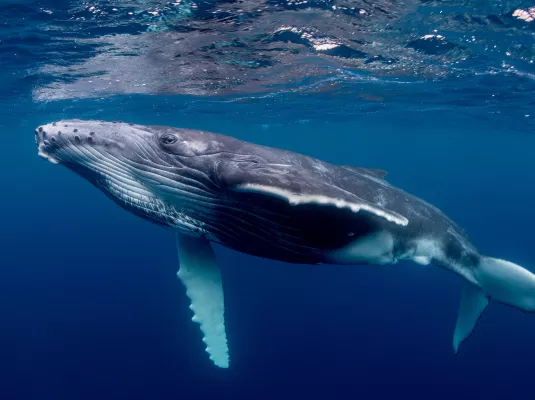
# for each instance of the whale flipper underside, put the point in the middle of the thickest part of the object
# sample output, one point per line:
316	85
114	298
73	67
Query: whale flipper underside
200	274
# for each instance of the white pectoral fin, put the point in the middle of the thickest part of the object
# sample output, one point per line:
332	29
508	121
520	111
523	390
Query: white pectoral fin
200	274
473	302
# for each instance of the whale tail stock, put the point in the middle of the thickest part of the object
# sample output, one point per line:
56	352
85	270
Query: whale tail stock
495	279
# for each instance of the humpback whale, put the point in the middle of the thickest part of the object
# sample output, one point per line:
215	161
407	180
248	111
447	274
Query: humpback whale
272	203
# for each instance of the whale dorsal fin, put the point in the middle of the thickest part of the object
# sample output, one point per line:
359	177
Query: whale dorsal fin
378	173
299	186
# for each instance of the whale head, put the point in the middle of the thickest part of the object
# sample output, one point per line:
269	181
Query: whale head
153	172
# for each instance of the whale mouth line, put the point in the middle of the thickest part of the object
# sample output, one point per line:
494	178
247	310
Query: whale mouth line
47	156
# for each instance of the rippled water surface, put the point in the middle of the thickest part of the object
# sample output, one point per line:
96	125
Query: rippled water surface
359	56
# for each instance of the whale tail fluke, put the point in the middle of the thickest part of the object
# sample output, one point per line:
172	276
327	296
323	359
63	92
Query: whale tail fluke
498	280
507	283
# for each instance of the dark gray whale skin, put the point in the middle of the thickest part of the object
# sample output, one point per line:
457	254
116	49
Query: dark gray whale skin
207	170
275	204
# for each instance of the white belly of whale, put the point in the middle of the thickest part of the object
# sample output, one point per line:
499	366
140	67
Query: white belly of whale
376	248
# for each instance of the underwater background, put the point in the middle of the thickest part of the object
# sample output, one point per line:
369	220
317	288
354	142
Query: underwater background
438	93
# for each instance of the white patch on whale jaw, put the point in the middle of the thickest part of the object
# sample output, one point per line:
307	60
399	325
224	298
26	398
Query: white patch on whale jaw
296	199
424	251
376	248
197	146
46	156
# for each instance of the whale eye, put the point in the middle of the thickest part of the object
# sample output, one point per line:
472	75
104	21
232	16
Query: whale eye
168	138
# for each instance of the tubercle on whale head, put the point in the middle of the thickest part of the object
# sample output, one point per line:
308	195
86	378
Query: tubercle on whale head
57	138
125	137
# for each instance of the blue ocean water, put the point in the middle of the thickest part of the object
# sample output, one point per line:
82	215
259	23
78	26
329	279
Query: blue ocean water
90	306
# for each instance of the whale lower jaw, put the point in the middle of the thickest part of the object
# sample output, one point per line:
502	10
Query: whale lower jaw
119	182
127	186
